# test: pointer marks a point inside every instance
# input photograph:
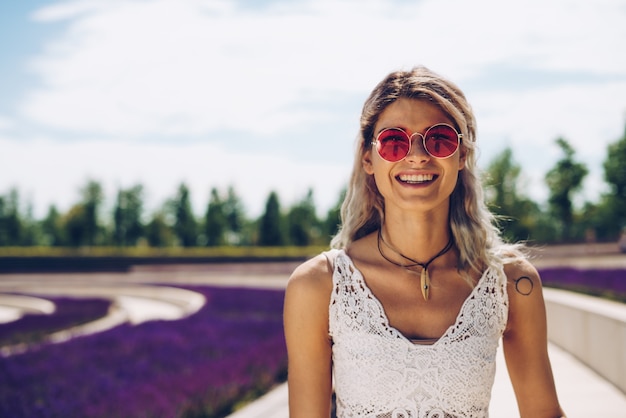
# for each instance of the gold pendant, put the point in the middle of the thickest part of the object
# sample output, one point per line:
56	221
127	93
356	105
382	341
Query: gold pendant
425	283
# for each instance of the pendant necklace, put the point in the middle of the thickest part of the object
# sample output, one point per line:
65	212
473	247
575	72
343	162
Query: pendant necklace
424	276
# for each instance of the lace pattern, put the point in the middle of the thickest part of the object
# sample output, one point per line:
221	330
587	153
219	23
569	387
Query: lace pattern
379	373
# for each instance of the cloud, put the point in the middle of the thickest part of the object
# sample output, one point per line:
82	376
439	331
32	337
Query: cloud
5	123
577	112
170	67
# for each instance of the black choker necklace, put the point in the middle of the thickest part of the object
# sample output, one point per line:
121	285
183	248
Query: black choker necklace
424	277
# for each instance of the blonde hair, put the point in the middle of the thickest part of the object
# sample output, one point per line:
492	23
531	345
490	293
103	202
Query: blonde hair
471	223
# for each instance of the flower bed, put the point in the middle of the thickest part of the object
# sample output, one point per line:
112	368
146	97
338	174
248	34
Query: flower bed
200	366
610	283
69	312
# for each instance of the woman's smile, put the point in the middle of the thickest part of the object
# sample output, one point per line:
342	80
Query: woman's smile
416	179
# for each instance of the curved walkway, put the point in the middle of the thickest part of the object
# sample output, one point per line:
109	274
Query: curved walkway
135	303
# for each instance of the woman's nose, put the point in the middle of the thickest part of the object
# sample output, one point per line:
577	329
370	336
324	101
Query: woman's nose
417	152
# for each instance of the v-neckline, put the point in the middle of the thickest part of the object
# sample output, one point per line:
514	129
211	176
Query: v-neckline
395	331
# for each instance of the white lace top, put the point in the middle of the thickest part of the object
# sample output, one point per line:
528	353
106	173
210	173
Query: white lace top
380	373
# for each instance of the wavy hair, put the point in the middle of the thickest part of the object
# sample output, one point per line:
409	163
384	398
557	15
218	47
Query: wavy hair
472	224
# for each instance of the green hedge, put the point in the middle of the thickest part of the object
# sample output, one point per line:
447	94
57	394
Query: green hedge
56	259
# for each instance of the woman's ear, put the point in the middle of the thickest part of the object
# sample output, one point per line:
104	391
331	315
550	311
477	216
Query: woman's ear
462	158
366	162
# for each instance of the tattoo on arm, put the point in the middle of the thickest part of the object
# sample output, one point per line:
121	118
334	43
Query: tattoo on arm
524	285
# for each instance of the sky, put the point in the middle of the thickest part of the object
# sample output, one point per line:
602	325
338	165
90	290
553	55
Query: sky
265	95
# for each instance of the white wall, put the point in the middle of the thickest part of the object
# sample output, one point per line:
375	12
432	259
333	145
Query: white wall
591	329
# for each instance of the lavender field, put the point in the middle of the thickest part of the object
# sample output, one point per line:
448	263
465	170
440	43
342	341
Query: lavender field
201	366
69	312
609	283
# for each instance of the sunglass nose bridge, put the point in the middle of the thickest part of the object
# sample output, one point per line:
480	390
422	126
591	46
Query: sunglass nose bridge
417	147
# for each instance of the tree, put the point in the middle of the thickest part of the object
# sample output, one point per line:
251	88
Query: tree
185	226
128	227
270	228
517	214
599	220
31	233
502	181
235	216
215	224
51	228
563	181
81	223
158	232
333	217
11	227
302	222
92	197
615	176
74	222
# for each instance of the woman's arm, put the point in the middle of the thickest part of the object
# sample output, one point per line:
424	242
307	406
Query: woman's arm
308	344
525	344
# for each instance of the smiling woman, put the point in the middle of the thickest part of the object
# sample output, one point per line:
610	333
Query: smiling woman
404	316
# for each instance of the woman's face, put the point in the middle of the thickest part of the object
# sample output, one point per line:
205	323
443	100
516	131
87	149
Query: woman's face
419	181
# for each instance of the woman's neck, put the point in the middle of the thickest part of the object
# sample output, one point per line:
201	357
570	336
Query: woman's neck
418	236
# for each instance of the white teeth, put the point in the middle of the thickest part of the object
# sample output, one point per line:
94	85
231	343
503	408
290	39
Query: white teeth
416	178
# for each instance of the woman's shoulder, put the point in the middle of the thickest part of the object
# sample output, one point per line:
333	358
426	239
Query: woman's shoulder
524	281
516	262
316	274
313	277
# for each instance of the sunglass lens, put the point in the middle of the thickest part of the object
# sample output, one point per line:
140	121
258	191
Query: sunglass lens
441	141
393	145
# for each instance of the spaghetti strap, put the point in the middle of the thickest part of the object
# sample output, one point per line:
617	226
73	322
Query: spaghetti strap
331	255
